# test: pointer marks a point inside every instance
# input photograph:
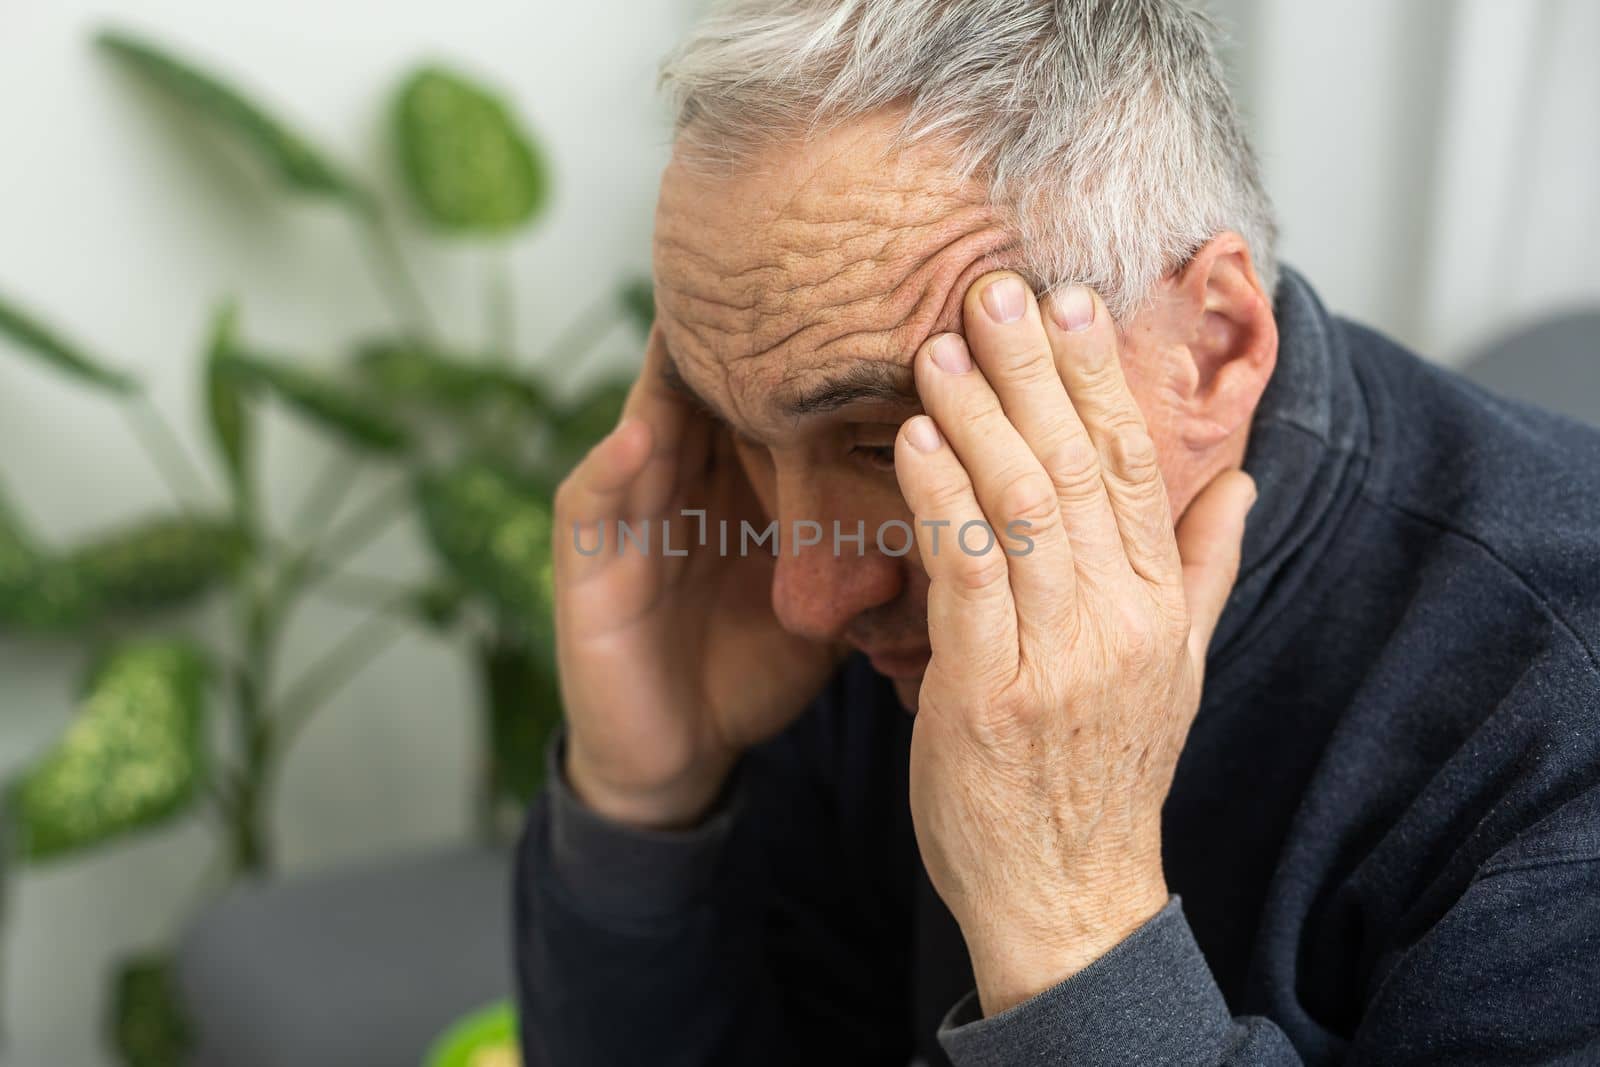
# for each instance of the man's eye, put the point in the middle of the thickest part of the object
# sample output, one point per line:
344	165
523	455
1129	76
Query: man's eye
877	457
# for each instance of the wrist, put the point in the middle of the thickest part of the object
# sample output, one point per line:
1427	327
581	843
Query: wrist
1015	957
666	802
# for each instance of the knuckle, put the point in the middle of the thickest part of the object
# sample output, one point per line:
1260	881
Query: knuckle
1027	364
1133	453
1075	471
1141	647
1031	498
978	574
977	405
1102	373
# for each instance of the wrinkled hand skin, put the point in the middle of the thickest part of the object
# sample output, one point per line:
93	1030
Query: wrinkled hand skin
1063	679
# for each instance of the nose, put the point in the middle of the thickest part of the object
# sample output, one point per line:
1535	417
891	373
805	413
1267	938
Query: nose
820	587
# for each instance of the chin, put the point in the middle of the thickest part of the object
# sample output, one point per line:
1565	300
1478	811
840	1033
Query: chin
906	689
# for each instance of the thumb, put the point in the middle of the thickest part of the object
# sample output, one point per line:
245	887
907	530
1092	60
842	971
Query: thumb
1210	536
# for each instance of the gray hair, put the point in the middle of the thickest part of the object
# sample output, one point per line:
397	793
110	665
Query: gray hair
1104	128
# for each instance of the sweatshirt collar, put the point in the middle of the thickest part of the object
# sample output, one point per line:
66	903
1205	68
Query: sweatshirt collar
1306	450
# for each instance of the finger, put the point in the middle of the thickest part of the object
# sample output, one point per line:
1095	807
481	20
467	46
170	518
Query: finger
1086	346
1209	540
1010	343
972	616
1013	491
678	443
595	494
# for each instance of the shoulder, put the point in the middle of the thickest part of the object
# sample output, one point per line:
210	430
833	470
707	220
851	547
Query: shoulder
1501	504
1517	485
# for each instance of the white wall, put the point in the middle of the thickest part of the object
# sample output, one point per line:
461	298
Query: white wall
1434	162
118	223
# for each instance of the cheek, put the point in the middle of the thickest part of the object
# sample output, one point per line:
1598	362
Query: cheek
1163	417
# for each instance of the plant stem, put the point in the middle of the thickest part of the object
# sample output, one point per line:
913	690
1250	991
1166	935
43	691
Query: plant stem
582	333
354	589
366	525
393	276
250	850
166	452
321	502
332	672
498	288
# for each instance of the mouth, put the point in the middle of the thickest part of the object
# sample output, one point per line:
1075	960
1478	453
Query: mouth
902	663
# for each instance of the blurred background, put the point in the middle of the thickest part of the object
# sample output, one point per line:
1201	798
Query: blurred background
387	353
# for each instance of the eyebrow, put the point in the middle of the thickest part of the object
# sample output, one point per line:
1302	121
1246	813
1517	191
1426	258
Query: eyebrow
861	382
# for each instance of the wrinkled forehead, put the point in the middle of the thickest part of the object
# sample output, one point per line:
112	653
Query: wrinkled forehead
813	255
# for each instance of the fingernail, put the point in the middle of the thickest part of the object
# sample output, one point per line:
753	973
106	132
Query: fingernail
922	433
950	354
1072	308
1005	299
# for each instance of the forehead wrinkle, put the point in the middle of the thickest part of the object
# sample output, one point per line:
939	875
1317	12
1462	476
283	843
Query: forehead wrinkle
908	312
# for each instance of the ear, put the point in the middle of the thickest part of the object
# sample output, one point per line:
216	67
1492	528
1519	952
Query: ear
1218	311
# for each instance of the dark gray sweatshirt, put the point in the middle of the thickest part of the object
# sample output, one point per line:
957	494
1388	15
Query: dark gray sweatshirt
1383	838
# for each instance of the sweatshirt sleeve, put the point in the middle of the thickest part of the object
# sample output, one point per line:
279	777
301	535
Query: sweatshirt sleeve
1531	926
1151	999
678	947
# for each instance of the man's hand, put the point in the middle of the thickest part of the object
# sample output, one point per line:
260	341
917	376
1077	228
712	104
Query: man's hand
671	664
1064	678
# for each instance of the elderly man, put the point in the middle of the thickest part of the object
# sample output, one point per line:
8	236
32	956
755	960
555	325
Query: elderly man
1001	272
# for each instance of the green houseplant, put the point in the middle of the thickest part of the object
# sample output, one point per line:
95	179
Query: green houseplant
175	717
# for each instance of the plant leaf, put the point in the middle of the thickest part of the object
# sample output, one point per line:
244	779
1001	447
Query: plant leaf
405	372
38	340
468	163
229	415
147	1023
494	533
486	1037
17	554
327	403
38	594
133	757
49	598
638	297
292	157
158	563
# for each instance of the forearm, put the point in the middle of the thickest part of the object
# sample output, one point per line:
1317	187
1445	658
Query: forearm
634	946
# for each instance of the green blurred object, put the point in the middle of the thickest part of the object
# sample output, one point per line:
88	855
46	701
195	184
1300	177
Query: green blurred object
157	564
639	301
468	435
523	694
132	758
38	340
469	164
148	1028
292	157
405	372
231	427
45	597
486	1038
494	533
362	422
